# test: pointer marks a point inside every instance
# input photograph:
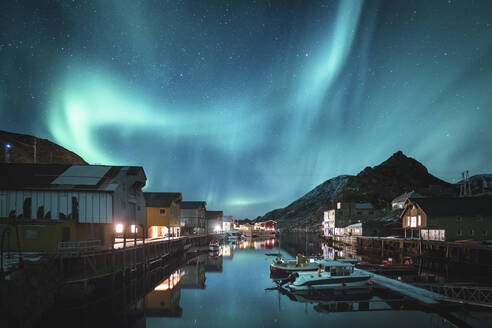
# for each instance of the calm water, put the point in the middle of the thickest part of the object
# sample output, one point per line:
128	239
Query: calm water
229	290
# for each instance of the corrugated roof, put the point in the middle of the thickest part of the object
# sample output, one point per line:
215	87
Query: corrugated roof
161	199
58	177
193	205
455	206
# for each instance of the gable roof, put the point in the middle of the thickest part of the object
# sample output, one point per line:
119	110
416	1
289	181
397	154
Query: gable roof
453	206
61	176
407	195
193	205
213	214
161	199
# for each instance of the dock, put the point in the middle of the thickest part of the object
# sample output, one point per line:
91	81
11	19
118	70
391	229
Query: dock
422	295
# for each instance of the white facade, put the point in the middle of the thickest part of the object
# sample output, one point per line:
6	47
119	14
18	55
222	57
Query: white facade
93	207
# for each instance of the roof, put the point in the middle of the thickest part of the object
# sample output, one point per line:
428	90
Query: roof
193	205
355	225
213	214
161	199
333	263
61	176
407	195
452	206
363	205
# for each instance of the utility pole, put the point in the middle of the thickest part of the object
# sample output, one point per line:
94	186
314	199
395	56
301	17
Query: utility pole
7	152
465	186
35	149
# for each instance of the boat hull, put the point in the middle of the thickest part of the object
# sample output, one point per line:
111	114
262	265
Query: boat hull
331	283
277	270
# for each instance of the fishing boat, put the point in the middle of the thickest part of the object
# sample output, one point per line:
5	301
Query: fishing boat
330	274
214	246
281	267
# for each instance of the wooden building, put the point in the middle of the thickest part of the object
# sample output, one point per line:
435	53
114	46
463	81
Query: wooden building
193	219
45	206
448	219
163	214
214	221
335	220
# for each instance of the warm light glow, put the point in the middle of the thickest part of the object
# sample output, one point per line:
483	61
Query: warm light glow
170	282
217	228
119	228
154	232
164	231
133	229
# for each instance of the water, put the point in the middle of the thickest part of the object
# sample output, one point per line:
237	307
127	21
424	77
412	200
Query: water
230	289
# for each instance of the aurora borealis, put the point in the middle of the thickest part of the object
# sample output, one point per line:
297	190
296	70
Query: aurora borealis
250	104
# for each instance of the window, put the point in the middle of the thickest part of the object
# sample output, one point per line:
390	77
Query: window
31	234
420	221
472	232
162	211
27	208
459	232
339	205
408	221
413	222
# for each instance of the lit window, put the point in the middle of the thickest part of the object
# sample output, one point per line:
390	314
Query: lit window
413	222
119	228
162	211
420	221
133	229
339	205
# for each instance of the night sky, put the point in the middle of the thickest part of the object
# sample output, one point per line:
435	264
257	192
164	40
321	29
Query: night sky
250	104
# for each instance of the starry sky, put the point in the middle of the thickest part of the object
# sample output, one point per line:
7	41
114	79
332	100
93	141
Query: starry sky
250	104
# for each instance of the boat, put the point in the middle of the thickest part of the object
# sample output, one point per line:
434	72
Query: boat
214	246
234	236
331	274
281	267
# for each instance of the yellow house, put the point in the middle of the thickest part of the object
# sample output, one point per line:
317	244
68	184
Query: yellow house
164	300
163	213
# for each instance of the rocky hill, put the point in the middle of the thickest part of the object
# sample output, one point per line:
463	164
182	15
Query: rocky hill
378	185
19	148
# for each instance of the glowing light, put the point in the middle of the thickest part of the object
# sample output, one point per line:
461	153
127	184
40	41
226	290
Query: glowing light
119	228
133	229
217	228
8	146
155	231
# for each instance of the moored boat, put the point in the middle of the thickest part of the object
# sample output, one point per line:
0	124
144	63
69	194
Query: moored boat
281	267
331	274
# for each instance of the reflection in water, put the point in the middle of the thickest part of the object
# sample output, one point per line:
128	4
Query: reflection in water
163	301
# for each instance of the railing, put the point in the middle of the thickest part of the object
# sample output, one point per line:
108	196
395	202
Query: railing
463	294
76	248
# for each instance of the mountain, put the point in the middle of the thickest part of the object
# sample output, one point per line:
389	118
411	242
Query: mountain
19	148
378	185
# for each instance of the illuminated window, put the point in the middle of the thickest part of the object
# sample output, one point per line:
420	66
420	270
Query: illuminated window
339	205
420	221
413	222
155	232
119	228
133	228
162	211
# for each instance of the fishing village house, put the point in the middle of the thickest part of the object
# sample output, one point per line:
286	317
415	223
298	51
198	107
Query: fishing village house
399	202
49	205
228	223
448	219
163	213
193	219
347	213
214	221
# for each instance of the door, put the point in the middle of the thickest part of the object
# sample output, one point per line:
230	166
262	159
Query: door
65	234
